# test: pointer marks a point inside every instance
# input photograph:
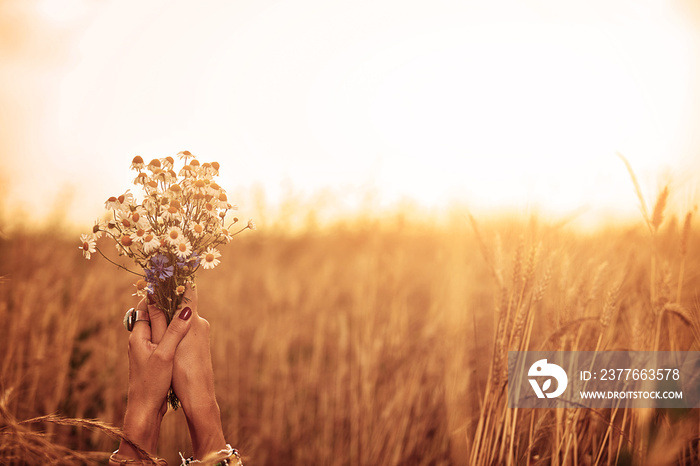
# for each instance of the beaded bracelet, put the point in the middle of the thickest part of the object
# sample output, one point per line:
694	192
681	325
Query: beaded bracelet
231	458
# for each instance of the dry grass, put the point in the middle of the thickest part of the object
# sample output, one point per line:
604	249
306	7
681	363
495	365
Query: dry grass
384	344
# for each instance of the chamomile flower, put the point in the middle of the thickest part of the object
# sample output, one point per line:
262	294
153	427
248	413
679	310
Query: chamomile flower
251	224
154	164
197	229
112	203
210	258
185	154
141	178
98	228
188	172
138	235
138	217
180	290
88	245
143	288
167	163
200	186
207	171
183	249
174	236
226	235
151	243
137	163
171	213
223	201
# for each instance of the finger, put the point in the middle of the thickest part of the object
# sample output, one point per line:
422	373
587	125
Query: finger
176	331
190	299
141	331
159	323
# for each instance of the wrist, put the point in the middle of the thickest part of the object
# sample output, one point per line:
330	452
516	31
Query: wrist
206	431
142	427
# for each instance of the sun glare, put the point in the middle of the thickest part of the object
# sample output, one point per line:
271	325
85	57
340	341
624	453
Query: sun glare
492	109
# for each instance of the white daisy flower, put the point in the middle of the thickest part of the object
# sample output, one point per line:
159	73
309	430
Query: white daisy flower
112	203
88	245
138	216
167	163
98	229
150	243
141	178
200	186
197	229
185	154
251	224
207	171
184	249
154	165
210	209
138	235
188	172
224	233
137	163
223	201
174	236
210	259
171	213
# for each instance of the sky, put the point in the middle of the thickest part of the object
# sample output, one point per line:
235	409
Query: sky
501	104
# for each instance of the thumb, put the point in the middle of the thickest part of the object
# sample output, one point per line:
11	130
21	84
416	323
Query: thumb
176	331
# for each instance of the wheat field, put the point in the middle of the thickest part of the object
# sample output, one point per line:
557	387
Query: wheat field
378	342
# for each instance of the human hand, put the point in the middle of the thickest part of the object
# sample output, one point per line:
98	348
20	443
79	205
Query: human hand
151	356
193	378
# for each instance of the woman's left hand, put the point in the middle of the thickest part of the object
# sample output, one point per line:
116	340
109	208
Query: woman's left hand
151	356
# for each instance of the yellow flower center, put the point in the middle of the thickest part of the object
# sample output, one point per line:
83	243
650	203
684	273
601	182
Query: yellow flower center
199	184
175	203
140	232
172	210
126	241
222	197
126	223
137	159
121	199
154	163
135	216
209	257
194	163
112	199
198	228
174	234
141	284
182	247
148	238
86	246
215	165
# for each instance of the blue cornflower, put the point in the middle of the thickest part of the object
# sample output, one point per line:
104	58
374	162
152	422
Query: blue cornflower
159	267
191	262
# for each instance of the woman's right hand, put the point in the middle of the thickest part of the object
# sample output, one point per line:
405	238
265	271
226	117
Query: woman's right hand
193	378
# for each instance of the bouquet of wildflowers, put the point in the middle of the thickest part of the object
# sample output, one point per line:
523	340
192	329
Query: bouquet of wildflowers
173	232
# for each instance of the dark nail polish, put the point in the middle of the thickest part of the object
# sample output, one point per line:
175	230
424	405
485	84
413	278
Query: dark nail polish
186	313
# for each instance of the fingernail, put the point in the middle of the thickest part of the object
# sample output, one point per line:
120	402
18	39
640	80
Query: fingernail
186	313
151	300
